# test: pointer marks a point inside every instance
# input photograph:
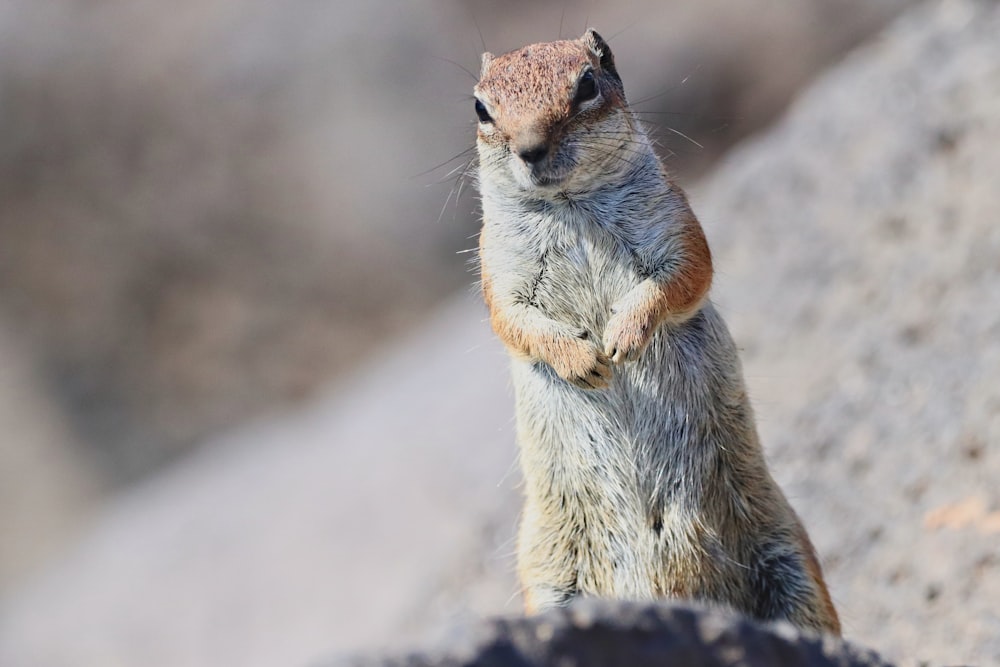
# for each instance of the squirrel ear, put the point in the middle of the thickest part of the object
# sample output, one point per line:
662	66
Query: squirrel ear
600	48
486	60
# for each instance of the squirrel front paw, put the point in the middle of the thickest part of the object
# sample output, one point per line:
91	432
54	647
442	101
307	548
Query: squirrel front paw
581	363
627	334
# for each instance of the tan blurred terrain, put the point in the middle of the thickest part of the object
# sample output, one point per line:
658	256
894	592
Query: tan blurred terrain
201	226
211	210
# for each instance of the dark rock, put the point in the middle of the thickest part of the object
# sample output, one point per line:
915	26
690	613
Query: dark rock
601	633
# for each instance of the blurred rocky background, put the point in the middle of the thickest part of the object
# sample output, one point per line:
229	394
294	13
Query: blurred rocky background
239	428
210	210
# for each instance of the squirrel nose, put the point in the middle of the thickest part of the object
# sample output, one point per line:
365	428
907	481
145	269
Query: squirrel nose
533	154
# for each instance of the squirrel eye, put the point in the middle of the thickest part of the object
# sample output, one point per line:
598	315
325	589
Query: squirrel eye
484	115
586	88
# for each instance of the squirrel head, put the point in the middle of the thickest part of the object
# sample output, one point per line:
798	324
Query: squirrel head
552	116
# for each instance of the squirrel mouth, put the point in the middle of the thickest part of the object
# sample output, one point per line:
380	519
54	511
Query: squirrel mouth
544	175
546	180
548	176
542	169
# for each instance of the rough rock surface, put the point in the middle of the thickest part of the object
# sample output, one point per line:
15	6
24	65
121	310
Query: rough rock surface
598	633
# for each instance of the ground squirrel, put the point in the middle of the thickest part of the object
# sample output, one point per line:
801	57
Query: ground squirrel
644	477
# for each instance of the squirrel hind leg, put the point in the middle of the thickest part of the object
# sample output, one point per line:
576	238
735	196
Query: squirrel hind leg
788	585
829	612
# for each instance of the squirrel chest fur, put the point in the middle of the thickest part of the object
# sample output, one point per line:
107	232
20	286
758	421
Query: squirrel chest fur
644	476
